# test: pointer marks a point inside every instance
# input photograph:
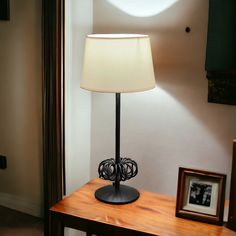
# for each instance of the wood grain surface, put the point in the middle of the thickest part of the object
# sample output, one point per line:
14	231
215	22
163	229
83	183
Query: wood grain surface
151	214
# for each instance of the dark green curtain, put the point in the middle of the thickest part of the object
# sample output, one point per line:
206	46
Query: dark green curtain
221	52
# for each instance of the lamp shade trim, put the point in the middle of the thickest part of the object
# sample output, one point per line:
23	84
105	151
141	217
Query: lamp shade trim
116	36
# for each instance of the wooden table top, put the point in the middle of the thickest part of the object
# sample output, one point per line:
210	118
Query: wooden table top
152	213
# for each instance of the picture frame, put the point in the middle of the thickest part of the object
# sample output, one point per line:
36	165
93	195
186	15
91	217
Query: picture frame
201	195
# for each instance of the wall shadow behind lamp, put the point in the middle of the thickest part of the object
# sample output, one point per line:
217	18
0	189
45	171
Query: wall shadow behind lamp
117	63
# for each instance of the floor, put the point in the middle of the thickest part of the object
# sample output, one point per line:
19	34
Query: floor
14	223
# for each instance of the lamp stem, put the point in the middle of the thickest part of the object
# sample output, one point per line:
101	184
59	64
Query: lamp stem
122	168
117	139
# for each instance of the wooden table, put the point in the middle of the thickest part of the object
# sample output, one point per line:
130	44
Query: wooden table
151	214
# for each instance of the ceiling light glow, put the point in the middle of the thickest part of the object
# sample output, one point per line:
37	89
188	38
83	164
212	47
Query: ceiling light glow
142	8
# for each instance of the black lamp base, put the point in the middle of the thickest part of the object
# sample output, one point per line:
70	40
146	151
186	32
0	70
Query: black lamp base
123	195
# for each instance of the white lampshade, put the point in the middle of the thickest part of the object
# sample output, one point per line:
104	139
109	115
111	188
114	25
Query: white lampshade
117	63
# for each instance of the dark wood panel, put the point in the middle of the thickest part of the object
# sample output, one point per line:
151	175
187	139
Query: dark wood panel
4	10
53	103
232	203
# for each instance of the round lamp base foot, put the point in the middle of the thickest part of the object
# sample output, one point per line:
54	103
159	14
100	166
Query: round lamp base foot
123	195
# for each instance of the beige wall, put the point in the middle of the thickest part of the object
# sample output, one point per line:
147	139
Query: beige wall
172	125
20	104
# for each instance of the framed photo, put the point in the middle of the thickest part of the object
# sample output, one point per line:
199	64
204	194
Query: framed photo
200	195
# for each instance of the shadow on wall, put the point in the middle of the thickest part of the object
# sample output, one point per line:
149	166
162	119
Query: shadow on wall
175	122
179	57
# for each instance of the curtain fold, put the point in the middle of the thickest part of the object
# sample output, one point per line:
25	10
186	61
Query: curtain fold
221	52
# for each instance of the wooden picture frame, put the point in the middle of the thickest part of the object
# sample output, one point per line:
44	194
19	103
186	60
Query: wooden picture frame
201	195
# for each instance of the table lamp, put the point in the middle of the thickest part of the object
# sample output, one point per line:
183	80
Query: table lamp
117	63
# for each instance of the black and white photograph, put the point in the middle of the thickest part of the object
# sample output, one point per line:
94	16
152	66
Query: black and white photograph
200	194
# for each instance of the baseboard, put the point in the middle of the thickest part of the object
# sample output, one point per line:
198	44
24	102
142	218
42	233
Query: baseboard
20	204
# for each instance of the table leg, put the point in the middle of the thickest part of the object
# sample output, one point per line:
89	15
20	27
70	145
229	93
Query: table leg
56	226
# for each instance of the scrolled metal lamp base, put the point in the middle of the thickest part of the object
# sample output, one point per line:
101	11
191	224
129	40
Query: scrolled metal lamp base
123	170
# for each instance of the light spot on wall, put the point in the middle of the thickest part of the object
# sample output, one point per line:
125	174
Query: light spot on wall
142	8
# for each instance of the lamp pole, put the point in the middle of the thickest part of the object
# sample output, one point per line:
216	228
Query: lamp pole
117	142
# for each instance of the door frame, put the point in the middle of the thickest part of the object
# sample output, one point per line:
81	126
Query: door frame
53	104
